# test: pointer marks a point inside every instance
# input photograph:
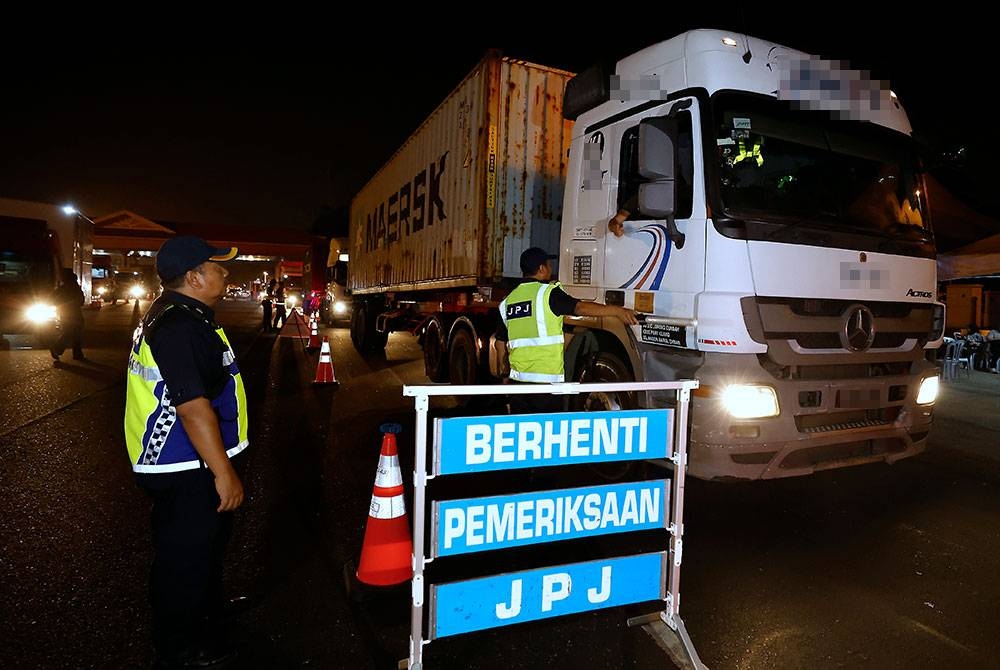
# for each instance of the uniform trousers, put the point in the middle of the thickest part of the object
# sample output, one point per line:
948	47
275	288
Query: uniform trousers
189	541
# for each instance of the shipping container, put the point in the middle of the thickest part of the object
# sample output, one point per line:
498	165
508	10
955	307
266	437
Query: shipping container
437	233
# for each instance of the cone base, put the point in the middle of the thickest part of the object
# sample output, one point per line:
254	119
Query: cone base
389	578
388	562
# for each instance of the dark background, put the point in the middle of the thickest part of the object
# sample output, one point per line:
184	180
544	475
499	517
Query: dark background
267	120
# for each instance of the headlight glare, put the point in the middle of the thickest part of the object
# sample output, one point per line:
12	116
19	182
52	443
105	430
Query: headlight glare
40	313
748	401
928	390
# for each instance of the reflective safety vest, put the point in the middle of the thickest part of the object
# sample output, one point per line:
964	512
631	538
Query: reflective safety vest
535	334
754	152
155	438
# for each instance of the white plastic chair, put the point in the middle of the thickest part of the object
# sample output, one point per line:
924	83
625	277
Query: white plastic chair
954	360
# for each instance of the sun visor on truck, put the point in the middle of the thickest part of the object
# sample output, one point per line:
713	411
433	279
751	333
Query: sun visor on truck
587	90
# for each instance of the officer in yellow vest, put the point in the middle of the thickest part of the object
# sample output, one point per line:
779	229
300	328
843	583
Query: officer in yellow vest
185	422
529	338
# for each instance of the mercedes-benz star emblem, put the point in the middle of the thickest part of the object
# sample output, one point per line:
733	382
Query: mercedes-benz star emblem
859	328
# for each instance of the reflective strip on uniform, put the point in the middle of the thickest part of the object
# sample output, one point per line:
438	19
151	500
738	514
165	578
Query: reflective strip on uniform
387	508
538	377
535	341
540	312
186	465
149	374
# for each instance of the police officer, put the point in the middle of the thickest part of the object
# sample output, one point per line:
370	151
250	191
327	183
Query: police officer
530	334
266	303
185	421
279	305
69	301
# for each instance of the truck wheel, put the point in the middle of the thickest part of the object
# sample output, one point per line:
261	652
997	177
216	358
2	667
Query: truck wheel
363	334
462	360
435	362
606	367
357	325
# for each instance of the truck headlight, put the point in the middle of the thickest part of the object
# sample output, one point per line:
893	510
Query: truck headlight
137	291
928	390
339	307
40	313
747	401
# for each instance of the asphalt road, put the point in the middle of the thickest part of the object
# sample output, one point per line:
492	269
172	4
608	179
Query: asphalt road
866	567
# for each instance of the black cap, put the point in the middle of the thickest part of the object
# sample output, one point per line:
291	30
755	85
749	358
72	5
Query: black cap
533	258
186	252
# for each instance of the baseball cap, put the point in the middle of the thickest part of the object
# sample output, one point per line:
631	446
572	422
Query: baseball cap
186	252
532	258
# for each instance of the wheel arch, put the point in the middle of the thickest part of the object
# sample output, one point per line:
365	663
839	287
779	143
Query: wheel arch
605	341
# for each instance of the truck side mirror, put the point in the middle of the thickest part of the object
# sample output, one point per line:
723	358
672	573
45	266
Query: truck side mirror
657	140
656	199
657	143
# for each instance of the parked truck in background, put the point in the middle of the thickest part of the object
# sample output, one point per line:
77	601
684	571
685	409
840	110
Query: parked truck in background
37	240
337	304
779	248
104	282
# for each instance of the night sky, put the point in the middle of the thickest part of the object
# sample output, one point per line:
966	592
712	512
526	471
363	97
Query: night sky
269	124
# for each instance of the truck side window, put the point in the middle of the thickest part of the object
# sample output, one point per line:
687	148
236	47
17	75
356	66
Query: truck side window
629	178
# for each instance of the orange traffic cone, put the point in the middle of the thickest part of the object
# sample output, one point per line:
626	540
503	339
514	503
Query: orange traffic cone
387	551
314	342
324	370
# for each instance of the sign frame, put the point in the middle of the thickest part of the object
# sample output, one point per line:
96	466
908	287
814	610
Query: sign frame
676	437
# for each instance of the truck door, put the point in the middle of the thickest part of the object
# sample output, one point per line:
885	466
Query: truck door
656	276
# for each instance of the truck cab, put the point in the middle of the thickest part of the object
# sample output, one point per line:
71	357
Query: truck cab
778	247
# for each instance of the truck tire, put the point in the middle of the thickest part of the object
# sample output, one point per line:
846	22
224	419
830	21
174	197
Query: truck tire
463	363
606	367
435	360
363	334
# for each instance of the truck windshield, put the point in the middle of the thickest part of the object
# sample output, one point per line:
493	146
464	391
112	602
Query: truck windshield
793	167
27	261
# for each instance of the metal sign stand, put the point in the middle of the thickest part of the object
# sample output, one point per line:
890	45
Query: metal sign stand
666	626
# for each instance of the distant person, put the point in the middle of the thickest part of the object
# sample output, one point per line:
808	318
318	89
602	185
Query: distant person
530	345
267	303
69	300
279	306
186	424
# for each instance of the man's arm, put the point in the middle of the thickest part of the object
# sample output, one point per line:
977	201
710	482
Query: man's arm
202	426
617	223
503	358
586	308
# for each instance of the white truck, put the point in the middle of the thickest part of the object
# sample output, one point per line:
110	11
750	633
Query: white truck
778	247
37	240
781	251
337	305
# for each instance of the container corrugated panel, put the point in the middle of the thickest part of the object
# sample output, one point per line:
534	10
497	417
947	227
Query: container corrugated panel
481	180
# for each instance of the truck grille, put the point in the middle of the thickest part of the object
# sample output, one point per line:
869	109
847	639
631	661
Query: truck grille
807	333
